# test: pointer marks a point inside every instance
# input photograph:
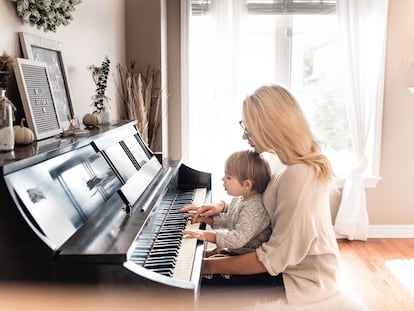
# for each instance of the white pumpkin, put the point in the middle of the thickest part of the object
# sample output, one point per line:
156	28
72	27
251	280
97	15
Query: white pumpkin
91	119
22	135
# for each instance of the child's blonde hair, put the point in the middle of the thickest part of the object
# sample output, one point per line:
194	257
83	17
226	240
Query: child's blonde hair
250	165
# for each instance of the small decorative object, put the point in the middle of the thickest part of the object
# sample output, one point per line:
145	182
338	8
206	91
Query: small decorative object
91	119
46	14
73	125
141	98
6	123
100	101
23	135
6	107
51	52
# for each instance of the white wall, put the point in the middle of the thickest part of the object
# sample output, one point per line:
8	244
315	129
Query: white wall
392	202
98	29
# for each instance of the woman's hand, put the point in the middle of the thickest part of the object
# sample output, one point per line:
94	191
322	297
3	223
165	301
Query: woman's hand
203	213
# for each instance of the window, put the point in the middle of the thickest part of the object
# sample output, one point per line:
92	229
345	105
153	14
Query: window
234	49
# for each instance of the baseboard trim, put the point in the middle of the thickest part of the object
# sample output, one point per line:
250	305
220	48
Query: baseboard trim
391	231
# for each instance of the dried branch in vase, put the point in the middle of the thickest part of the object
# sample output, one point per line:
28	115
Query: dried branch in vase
100	77
141	98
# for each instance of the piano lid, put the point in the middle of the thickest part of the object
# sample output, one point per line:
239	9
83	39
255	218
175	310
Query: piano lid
60	194
63	187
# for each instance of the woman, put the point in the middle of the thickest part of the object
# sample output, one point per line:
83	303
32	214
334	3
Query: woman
302	246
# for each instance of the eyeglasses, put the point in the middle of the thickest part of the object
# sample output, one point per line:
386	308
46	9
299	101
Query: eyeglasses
245	130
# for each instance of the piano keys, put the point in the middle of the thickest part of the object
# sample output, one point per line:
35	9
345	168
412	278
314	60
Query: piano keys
183	261
166	252
99	208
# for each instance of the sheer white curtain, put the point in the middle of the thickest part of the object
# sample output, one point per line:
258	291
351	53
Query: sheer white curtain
215	72
363	31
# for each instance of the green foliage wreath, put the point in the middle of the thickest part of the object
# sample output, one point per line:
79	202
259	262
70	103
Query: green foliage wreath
46	14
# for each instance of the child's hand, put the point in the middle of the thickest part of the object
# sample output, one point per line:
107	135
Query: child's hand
198	234
201	235
201	214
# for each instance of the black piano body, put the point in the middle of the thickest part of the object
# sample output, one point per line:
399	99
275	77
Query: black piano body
99	208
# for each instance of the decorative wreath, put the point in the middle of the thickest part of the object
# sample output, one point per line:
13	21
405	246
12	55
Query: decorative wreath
46	14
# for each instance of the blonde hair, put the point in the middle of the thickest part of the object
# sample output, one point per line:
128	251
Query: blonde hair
250	165
276	124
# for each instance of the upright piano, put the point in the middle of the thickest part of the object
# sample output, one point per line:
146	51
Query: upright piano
99	207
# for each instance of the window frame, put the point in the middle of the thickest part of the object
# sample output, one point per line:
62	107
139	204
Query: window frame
370	181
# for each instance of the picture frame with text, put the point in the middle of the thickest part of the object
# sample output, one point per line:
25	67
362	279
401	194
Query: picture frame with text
38	102
50	52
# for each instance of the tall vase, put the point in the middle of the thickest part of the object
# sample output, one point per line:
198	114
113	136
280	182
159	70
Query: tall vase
6	123
103	105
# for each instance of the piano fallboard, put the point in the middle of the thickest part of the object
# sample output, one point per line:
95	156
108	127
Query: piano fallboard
99	208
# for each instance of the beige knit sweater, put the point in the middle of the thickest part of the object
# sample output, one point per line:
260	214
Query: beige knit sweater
302	246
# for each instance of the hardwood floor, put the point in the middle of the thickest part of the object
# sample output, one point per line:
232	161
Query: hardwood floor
381	272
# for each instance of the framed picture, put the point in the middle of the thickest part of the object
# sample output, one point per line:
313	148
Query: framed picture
50	52
36	93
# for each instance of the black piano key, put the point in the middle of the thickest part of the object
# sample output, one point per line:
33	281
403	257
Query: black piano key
160	264
138	261
175	244
164	271
161	259
164	251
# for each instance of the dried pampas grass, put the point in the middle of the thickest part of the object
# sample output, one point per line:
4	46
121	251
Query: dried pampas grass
141	98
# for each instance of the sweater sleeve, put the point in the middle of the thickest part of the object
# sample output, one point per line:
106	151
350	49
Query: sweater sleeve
246	221
222	220
294	202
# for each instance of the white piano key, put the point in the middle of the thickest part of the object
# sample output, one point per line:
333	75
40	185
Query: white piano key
184	263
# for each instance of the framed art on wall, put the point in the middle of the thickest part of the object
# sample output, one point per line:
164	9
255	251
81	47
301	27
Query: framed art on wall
50	52
37	97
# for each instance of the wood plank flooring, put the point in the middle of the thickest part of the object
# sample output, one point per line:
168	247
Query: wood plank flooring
381	272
